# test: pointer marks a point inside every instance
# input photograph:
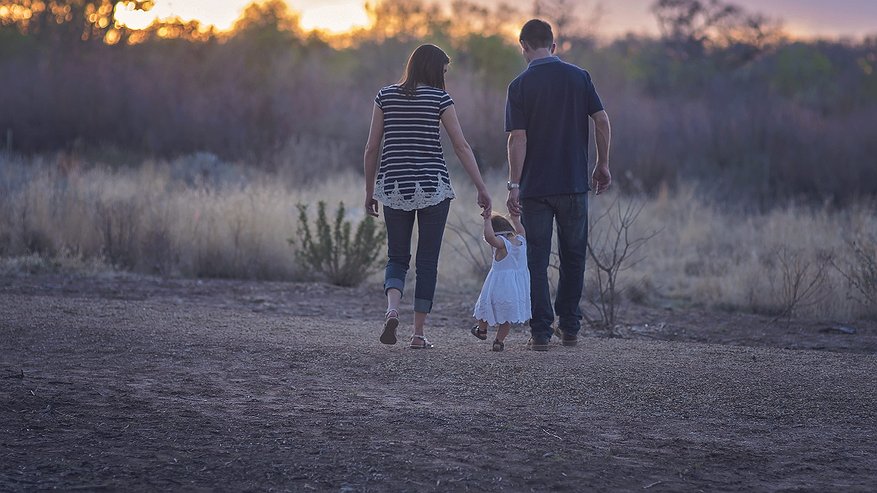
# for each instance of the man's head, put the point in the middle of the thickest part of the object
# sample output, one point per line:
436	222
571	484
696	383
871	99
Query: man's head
536	36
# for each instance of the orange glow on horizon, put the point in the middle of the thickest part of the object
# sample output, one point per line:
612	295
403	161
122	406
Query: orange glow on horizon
343	18
337	17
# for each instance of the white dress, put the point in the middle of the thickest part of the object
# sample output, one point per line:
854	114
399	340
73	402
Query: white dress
505	296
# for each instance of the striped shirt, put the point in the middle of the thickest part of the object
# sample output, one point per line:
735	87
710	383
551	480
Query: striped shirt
413	174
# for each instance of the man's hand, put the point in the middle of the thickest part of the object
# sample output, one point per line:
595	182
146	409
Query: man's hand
371	206
514	202
601	178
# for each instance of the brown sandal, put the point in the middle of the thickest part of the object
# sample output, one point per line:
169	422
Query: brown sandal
388	336
477	332
498	345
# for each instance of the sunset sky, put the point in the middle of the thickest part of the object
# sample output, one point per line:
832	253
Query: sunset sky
801	17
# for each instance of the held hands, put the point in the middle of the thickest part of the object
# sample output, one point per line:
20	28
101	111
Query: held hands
514	202
484	202
601	178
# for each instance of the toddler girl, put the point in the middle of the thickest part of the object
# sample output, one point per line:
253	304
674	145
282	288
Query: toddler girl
505	296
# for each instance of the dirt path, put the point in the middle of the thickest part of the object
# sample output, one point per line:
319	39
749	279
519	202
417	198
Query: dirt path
121	383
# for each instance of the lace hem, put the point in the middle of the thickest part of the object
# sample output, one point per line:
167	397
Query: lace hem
419	200
499	312
493	322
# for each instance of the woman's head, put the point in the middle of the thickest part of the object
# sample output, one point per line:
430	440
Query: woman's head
500	224
426	66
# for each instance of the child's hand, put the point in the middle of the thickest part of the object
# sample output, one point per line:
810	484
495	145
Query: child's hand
485	213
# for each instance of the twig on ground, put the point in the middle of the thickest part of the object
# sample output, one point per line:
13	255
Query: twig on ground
551	434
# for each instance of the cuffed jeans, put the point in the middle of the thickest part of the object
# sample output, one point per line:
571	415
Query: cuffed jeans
538	217
430	229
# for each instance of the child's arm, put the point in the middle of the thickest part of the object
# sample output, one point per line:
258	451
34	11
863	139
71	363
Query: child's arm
516	223
489	234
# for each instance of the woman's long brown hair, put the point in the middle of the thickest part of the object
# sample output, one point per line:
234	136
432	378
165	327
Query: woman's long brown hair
425	66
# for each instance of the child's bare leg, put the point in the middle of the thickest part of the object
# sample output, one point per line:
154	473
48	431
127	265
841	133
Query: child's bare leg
482	325
502	331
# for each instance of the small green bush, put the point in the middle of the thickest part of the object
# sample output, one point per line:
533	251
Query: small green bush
330	250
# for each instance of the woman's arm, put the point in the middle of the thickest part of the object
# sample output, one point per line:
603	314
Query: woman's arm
490	234
370	159
516	223
464	153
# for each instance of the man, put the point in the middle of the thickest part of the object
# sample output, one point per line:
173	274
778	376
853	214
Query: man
547	116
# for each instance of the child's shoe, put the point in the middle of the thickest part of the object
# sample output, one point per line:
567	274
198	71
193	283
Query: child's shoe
477	332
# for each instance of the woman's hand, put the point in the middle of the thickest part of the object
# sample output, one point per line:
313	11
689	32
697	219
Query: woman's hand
484	201
371	206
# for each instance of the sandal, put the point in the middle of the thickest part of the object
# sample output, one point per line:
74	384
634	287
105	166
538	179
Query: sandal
498	345
424	345
477	332
388	336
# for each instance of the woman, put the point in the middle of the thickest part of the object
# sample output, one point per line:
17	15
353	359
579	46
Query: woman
412	181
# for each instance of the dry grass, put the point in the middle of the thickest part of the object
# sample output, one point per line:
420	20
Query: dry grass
201	217
715	256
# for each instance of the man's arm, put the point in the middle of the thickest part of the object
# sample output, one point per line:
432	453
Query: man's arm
517	151
601	177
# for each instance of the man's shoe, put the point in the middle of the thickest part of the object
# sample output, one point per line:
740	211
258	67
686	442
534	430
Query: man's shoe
534	345
566	339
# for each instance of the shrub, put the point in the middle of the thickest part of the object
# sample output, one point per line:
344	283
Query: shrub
471	247
801	280
330	251
860	271
613	250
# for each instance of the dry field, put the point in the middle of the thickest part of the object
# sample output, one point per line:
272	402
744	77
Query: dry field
199	217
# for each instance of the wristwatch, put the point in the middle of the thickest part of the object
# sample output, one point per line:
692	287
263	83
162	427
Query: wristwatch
511	186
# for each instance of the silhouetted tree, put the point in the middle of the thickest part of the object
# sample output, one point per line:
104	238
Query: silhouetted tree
691	27
69	21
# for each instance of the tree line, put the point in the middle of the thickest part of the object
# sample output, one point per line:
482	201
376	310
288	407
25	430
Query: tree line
722	96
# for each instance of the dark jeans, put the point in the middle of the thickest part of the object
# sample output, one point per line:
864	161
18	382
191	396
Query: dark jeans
538	216
430	228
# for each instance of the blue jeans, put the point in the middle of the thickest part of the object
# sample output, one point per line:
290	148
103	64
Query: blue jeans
538	217
430	229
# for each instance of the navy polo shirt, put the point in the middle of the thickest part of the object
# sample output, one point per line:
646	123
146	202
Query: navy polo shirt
552	100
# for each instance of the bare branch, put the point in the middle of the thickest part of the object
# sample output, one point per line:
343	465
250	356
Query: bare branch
612	248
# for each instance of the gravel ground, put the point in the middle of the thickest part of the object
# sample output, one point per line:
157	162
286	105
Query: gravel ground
132	383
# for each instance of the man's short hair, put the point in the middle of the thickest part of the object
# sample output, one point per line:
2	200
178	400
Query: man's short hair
536	33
